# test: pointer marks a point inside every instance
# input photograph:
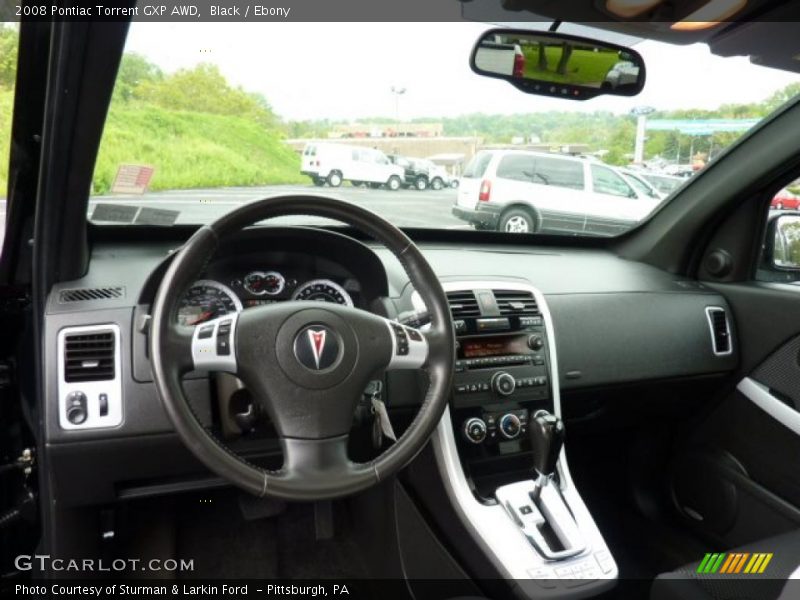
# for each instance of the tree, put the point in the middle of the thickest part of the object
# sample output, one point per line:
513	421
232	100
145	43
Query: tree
782	96
134	71
205	89
9	42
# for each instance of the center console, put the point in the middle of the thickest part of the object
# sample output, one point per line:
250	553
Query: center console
499	446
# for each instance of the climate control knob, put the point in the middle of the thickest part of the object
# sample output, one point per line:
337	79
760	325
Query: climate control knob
475	430
503	384
535	342
510	426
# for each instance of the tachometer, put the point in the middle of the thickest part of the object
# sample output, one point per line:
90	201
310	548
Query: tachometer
205	300
323	290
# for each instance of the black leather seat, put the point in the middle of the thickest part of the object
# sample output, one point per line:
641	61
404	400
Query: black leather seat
686	584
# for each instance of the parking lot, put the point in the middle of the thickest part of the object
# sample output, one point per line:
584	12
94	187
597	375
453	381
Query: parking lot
405	208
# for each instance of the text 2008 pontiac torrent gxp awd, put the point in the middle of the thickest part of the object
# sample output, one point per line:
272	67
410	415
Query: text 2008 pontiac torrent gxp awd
402	310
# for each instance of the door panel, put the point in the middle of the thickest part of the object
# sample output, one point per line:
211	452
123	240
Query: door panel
743	459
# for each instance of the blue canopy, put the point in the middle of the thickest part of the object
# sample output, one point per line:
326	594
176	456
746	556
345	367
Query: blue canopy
701	126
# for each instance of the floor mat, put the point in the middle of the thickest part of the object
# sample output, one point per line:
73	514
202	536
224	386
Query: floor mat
225	545
222	543
643	547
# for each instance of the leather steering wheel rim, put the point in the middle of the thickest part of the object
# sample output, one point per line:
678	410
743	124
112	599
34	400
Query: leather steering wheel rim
315	466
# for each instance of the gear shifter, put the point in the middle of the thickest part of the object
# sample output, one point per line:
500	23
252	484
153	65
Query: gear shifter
546	432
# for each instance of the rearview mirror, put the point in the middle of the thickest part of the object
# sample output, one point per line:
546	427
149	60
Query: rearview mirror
555	64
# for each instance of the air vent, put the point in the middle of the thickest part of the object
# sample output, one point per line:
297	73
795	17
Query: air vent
720	330
85	294
516	303
89	357
463	305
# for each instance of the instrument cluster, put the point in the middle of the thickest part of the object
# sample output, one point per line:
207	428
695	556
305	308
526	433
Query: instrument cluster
208	299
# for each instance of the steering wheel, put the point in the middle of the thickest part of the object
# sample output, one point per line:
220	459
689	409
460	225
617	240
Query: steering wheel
306	363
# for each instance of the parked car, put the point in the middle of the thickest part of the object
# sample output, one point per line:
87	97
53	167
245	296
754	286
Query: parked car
666	184
641	184
518	191
785	200
438	177
622	73
415	172
335	163
500	58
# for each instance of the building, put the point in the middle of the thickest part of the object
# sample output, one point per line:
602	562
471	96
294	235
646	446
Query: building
386	130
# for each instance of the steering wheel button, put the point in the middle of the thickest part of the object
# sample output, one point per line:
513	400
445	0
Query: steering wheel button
206	332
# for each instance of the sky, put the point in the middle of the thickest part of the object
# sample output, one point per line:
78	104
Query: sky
346	71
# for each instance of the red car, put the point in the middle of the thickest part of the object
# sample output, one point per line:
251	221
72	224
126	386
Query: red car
785	200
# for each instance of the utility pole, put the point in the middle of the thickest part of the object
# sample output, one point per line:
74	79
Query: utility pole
397	91
641	112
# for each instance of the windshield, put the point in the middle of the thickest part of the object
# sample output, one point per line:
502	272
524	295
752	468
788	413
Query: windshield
208	116
9	40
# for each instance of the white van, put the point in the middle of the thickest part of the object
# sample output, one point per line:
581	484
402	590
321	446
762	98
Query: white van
335	163
519	191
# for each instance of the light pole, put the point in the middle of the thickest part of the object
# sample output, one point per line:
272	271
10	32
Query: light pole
397	91
640	112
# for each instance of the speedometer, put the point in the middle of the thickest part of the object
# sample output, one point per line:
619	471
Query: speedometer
323	290
205	300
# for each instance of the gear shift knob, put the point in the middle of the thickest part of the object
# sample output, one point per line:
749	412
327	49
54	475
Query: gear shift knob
546	432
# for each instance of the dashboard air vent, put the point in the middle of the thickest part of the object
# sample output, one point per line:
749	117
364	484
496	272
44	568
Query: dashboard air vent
463	305
720	330
85	294
89	357
516	303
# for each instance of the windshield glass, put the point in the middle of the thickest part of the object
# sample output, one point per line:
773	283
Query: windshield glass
9	40
207	116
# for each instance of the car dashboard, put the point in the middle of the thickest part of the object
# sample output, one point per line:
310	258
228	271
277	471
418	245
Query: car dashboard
604	334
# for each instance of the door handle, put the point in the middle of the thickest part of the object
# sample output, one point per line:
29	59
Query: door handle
760	395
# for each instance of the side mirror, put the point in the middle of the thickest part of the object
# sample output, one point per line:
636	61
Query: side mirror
785	242
555	64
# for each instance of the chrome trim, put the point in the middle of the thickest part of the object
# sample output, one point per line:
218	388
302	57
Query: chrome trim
237	303
760	395
549	508
348	299
204	350
709	309
92	389
490	527
262	275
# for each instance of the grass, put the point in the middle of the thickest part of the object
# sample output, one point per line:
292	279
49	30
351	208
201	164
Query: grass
584	67
193	150
187	149
6	102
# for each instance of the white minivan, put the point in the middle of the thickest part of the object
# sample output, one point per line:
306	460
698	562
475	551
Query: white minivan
335	163
520	191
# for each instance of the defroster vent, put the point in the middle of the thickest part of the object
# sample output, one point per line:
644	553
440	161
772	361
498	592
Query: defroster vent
86	294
